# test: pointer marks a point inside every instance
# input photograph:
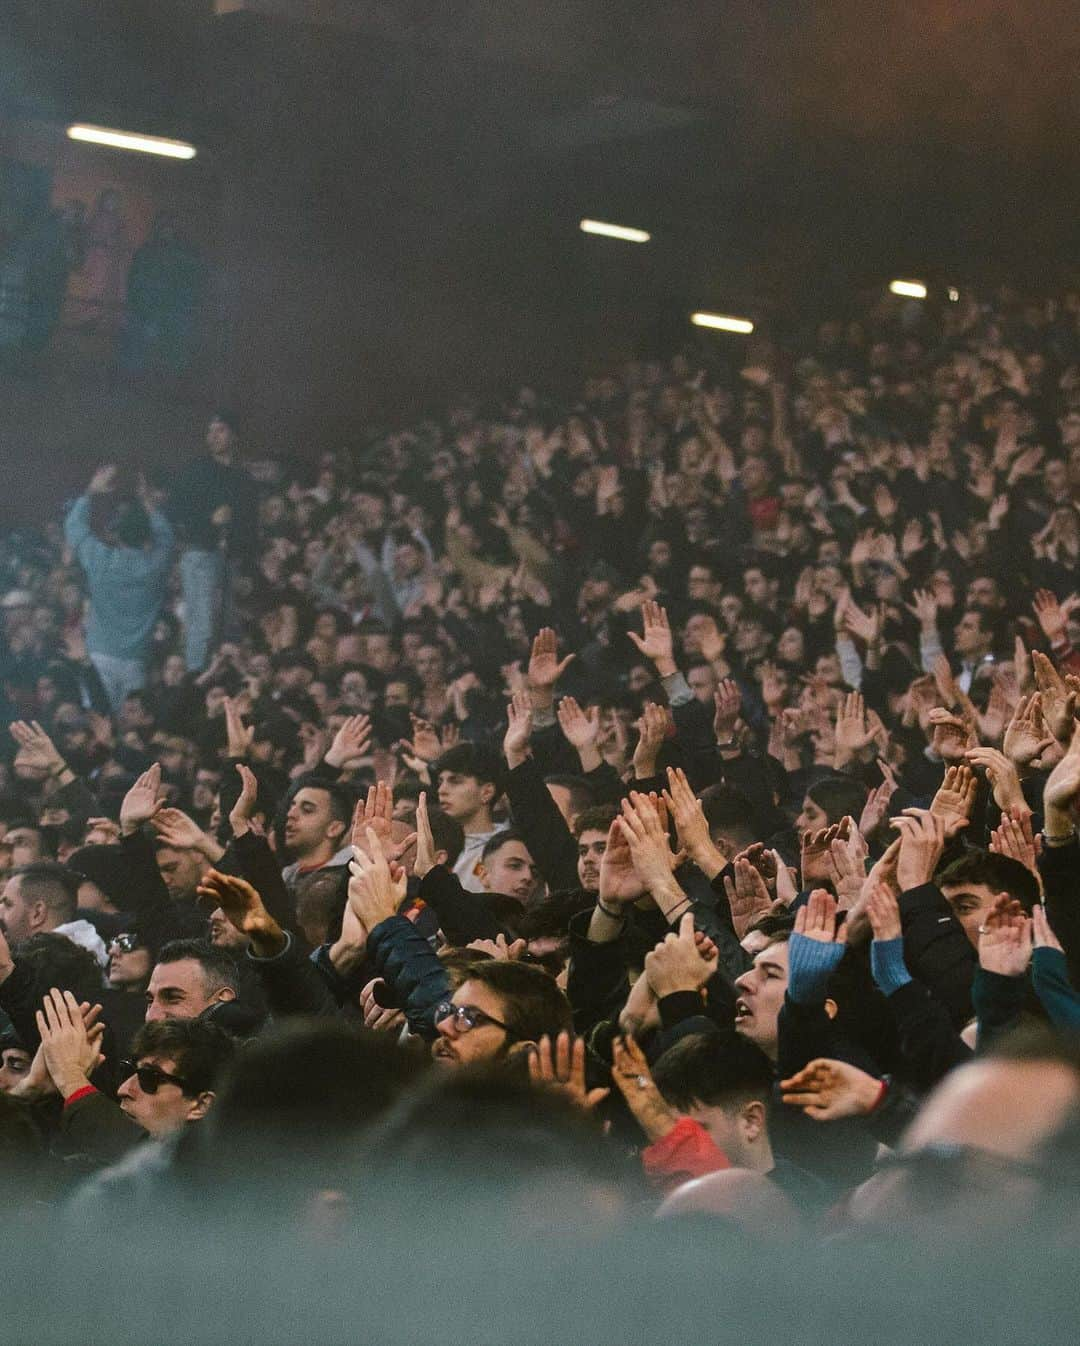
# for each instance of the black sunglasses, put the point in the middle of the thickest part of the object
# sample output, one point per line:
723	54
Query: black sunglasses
151	1078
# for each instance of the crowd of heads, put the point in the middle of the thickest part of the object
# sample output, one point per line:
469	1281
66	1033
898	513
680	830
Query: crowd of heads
652	812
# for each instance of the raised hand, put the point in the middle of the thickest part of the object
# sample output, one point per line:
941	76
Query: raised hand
922	841
581	729
519	721
711	641
1005	939
351	742
679	962
828	1091
952	736
37	752
848	862
817	919
1062	789
1002	775
545	667
1058	701
633	1079
1014	837
562	1069
876	808
425	841
1026	737
816	850
376	886
241	811
853	734
767	863
955	799
175	828
425	743
883	911
924	609
691	824
728	702
143	802
1050	616
499	948
1043	936
238	734
747	894
619	880
656	643
70	1053
244	910
377	1018
652	729
651	851
375	813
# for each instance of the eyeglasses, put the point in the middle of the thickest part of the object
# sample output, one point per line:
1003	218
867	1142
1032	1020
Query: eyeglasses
467	1017
125	944
151	1078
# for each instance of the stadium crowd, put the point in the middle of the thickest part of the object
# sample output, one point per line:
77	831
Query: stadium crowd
668	802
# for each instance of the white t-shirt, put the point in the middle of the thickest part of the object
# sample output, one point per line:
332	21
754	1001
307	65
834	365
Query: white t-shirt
467	861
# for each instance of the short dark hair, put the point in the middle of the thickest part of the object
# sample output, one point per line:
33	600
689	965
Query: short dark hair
218	968
320	899
550	917
54	960
581	795
534	1003
200	1049
1001	873
472	759
729	811
342	800
55	885
838	797
714	1070
501	839
777	926
596	819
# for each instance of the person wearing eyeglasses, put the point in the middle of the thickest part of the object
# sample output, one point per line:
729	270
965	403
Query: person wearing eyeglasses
167	1084
130	964
498	1012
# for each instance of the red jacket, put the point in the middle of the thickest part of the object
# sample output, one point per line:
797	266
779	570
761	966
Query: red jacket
687	1151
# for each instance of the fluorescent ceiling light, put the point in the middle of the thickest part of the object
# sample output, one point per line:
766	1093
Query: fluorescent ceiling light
910	289
615	231
127	140
722	323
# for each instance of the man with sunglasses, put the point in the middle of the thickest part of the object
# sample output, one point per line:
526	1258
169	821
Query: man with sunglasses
167	1085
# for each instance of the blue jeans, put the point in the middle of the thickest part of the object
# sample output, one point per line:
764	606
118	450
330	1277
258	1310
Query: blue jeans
118	677
202	575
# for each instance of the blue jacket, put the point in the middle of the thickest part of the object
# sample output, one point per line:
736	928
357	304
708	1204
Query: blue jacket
408	964
127	584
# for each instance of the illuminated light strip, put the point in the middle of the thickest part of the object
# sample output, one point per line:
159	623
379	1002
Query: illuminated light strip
127	140
722	323
910	289
615	231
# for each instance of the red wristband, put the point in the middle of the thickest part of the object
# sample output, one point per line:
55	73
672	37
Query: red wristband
79	1093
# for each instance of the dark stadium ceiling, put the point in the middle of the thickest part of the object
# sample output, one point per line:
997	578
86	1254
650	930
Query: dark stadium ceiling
844	139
